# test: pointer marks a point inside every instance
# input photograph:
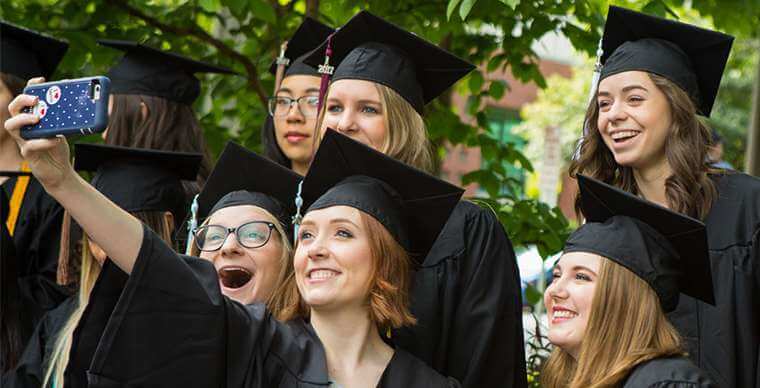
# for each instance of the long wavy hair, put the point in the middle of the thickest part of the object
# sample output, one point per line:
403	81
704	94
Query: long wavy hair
407	139
169	126
689	190
619	336
57	361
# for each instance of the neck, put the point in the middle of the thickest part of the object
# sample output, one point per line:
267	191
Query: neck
651	182
299	168
10	155
351	341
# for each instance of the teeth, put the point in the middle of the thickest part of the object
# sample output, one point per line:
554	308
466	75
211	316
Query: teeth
623	134
322	274
564	314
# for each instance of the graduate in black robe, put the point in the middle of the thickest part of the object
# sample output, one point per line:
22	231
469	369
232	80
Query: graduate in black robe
723	340
467	291
34	218
665	249
155	186
173	327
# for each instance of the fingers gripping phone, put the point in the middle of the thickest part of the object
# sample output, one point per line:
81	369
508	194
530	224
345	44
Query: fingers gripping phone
69	107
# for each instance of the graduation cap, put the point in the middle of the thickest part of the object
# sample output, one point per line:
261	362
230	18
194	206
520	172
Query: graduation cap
242	177
138	179
28	54
412	205
693	58
149	71
307	37
666	249
372	49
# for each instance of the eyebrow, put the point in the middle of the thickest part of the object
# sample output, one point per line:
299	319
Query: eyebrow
624	90
575	268
285	90
343	221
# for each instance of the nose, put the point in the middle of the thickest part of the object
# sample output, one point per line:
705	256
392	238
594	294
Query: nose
346	124
231	247
317	250
616	112
557	289
294	114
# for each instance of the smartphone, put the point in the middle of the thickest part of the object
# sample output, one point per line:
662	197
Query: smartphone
69	107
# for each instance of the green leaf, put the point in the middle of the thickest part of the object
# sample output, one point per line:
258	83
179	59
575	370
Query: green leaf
209	5
533	295
451	7
262	10
496	89
237	7
465	8
511	3
475	82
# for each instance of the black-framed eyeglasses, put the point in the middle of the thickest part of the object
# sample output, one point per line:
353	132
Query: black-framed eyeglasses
252	234
279	106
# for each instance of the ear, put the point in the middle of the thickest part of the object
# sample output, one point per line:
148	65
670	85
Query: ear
169	219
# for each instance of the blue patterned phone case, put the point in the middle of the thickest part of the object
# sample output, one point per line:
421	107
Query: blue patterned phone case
69	107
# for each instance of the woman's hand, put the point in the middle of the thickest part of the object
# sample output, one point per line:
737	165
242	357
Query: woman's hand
48	158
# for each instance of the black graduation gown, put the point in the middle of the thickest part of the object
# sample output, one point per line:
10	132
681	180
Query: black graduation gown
37	239
173	327
31	368
724	340
467	301
676	372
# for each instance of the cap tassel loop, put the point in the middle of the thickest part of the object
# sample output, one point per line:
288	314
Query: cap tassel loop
297	217
282	62
327	71
592	92
192	224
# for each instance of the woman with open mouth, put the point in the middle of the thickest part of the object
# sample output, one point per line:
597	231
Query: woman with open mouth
246	224
172	326
644	135
619	274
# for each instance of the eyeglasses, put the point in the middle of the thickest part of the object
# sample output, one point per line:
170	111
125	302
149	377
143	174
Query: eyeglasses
279	106
254	234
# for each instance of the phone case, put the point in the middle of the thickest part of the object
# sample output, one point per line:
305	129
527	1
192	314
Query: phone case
69	107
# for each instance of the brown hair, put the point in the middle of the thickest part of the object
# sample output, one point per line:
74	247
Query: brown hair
169	126
407	139
619	336
14	83
286	268
689	190
388	295
89	270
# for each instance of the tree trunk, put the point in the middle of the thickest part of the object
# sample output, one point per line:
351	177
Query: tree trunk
312	8
752	163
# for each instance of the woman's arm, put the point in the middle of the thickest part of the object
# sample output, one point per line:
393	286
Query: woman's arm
116	231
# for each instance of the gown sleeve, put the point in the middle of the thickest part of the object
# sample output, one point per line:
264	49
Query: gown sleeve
486	339
677	372
172	326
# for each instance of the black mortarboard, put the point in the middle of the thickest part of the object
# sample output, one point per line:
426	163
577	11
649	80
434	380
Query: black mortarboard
307	37
149	71
411	204
138	179
370	48
691	57
666	249
242	177
28	54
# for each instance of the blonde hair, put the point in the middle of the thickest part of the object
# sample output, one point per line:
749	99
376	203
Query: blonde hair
619	336
407	139
90	269
388	293
285	253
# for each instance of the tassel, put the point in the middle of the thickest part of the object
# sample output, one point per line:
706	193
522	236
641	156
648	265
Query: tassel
282	62
327	71
297	217
591	94
62	275
192	224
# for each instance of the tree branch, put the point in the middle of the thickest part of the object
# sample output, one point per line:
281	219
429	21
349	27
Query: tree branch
254	82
